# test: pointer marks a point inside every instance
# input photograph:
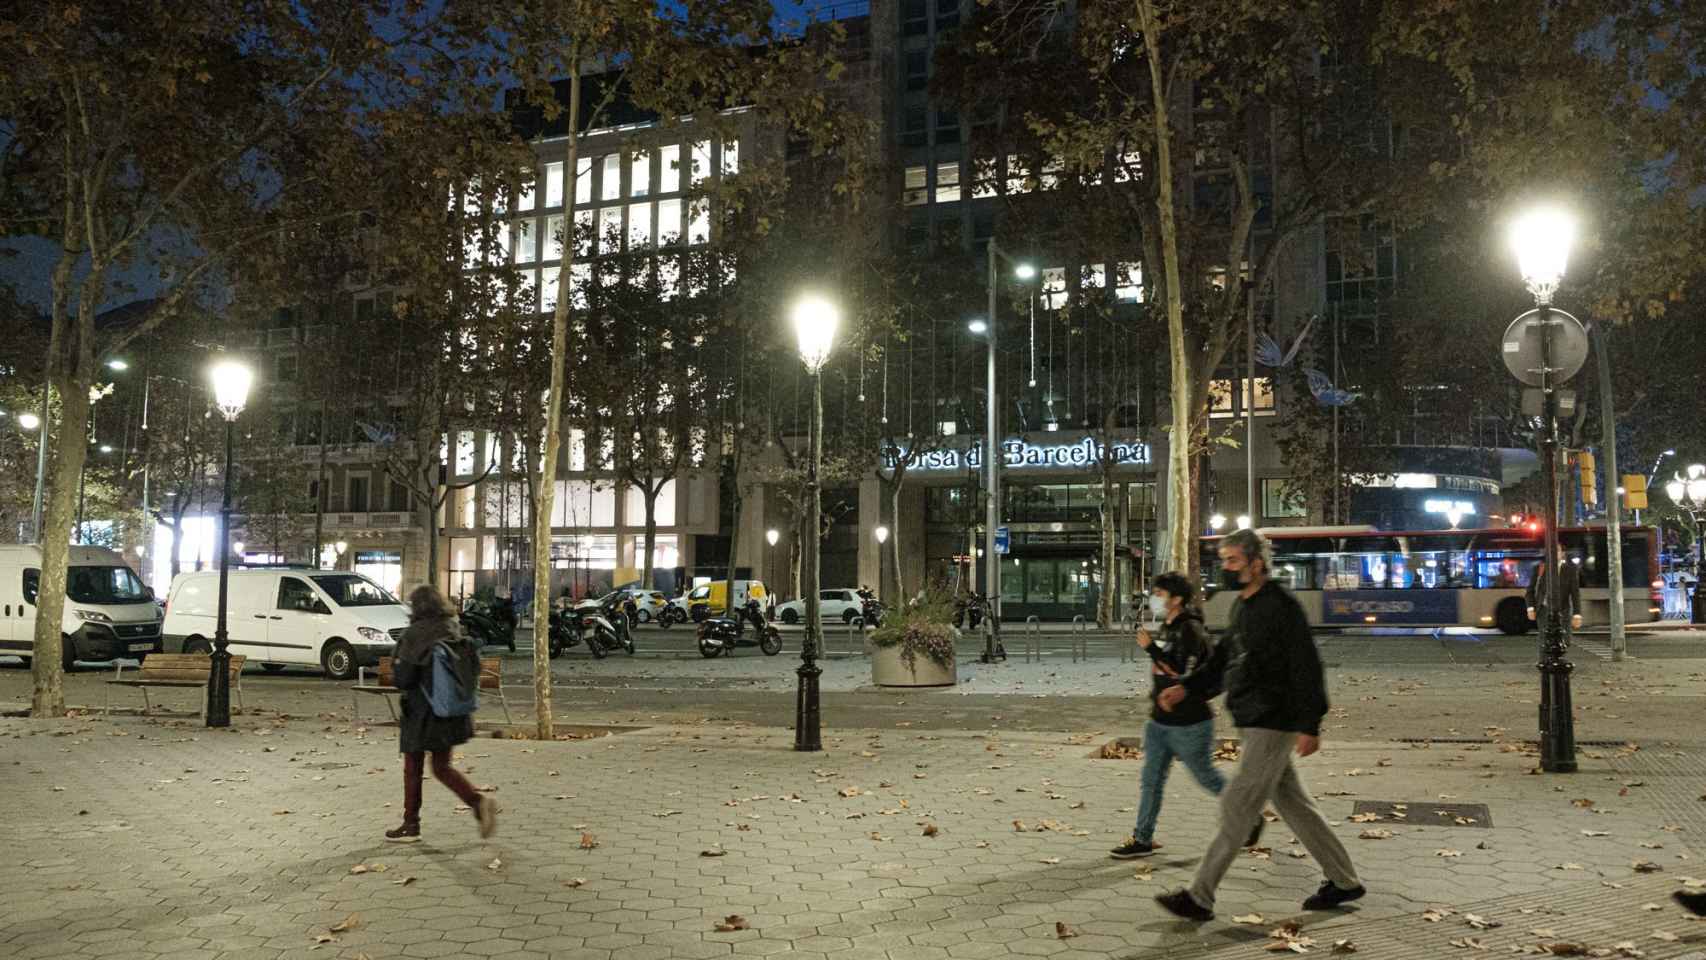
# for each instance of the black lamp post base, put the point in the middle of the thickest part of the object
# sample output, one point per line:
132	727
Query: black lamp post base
1557	721
219	686
808	717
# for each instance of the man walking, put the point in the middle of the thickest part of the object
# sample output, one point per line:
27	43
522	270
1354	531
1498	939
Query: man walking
1539	596
1277	695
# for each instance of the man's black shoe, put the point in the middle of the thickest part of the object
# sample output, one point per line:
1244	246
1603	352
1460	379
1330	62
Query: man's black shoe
1132	850
1694	903
1331	895
1256	834
1181	904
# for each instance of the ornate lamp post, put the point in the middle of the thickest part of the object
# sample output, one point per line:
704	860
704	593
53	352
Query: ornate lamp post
1545	348
815	321
231	381
1689	495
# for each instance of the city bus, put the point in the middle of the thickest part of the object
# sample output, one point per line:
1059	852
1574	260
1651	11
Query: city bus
1363	577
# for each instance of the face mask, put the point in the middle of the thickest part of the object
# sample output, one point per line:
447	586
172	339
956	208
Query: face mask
1158	606
1231	579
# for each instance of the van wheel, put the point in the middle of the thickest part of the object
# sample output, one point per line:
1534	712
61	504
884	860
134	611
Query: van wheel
197	645
337	658
273	667
1511	616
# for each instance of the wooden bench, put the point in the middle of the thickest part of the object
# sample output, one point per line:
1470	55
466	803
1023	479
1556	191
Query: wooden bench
383	685
184	670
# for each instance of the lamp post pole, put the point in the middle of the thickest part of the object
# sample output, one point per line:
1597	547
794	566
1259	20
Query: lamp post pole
231	390
1613	502
815	321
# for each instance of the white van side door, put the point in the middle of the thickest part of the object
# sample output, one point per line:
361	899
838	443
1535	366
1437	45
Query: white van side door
296	623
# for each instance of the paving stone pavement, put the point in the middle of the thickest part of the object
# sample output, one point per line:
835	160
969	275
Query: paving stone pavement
162	839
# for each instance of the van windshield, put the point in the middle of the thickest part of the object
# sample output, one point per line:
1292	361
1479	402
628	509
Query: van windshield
349	590
105	585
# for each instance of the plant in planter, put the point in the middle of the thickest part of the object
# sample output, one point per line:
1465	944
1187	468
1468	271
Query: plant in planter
923	630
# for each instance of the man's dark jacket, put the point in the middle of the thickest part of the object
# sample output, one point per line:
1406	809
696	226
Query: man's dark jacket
1274	680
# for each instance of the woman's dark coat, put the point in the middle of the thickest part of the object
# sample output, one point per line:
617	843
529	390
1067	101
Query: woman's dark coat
411	669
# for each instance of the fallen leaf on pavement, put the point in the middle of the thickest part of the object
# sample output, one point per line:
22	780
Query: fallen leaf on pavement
358	868
348	923
1480	922
576	882
1063	932
1448	853
1596	833
496	864
1255	918
1664	935
1568	866
588	841
1471	943
731	923
930	830
852	791
404	881
1344	946
1645	866
1375	835
1050	860
713	852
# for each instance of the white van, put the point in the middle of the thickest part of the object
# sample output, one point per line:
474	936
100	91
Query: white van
108	612
283	616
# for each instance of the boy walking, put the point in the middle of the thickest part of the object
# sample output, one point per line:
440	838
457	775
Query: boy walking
1186	658
1277	694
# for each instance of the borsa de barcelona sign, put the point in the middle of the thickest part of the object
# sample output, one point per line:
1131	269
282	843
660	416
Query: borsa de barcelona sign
1017	454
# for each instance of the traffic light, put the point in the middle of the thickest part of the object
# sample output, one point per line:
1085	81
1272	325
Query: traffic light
1590	477
1635	491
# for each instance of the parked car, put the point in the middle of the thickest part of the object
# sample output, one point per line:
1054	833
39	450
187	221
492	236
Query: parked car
647	603
108	611
712	597
840	604
281	617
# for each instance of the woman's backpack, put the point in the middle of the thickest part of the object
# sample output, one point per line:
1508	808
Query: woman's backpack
455	687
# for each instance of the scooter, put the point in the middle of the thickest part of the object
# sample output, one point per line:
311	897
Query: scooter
596	630
871	610
488	625
973	608
564	632
723	634
669	616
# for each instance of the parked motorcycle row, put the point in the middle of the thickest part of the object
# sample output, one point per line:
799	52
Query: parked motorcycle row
604	627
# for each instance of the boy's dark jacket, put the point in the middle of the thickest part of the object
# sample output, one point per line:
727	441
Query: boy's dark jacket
1184	646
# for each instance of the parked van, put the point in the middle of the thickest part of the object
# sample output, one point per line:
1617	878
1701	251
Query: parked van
711	598
280	617
108	611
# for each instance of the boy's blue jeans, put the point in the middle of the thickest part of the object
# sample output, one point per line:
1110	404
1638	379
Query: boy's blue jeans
1194	747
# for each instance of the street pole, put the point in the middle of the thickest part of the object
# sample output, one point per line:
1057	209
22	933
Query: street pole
1613	501
1250	405
1557	722
808	717
219	667
992	456
41	463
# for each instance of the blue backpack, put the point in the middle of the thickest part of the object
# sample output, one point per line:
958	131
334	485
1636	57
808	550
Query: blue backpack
455	688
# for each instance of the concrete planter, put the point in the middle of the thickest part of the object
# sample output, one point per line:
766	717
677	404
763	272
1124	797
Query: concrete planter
888	670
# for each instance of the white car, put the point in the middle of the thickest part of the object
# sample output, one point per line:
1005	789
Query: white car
647	603
281	617
842	604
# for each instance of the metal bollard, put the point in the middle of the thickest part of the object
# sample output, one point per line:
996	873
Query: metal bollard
1080	638
1033	638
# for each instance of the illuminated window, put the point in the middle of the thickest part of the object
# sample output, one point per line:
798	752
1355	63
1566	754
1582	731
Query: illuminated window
669	277
553	185
639	225
1220	399
669	222
731	158
553	238
586	232
1126	166
548	288
503	234
524	194
699	222
1052	291
610	181
580	277
1264	394
1128	282
1018	174
669	169
1051	172
1096	275
916	189
701	162
577	449
610	230
583	180
640	174
464	452
523	239
947	182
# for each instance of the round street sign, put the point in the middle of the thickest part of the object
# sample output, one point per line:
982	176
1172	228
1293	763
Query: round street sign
1522	346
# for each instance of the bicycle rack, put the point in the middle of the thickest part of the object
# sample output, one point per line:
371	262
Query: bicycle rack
855	628
1080	637
1033	638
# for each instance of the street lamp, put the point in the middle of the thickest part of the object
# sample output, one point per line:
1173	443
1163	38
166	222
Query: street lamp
1216	522
1544	349
882	535
1243	521
231	381
1689	495
987	327
28	421
117	364
772	535
815	321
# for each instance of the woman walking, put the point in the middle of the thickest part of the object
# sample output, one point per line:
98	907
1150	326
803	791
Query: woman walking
1184	657
432	622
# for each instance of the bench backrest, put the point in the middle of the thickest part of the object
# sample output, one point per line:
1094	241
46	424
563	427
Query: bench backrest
183	666
491	673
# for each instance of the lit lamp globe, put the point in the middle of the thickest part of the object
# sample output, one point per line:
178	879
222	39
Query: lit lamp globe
1216	522
1542	238
815	322
1244	521
772	535
1697	490
882	535
28	421
231	381
341	547
1676	490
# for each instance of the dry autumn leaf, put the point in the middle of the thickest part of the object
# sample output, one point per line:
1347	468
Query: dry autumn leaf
575	882
713	852
496	864
930	830
358	868
588	841
1254	918
1063	932
1344	946
348	923
1375	835
731	923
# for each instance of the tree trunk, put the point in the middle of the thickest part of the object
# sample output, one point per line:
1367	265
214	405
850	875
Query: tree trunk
554	419
898	578
1179	530
69	450
647	571
794	552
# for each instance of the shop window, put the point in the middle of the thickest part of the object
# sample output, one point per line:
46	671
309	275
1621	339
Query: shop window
948	182
916	191
1040	581
462	566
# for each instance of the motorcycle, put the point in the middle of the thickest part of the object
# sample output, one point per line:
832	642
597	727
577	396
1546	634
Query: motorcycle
973	608
489	624
564	632
871	610
596	629
669	616
720	634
